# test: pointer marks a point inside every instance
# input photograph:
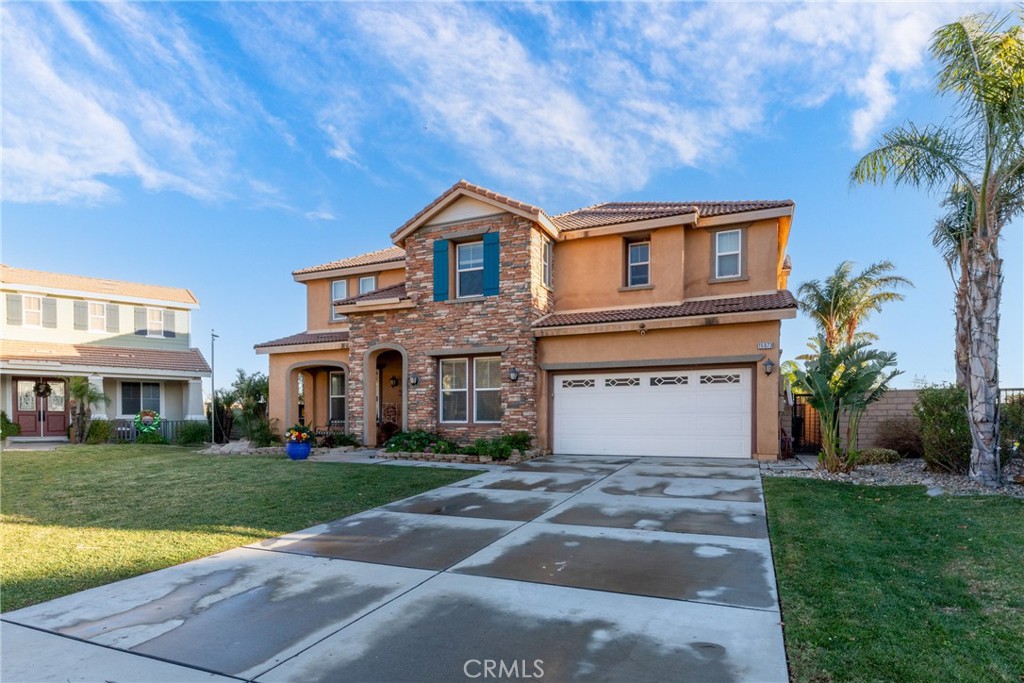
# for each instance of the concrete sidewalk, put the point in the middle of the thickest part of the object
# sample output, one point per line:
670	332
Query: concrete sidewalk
562	568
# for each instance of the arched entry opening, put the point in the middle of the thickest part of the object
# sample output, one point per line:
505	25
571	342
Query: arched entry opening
317	395
385	396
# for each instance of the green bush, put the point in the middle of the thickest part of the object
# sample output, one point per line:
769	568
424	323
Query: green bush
99	432
945	433
499	449
878	456
193	433
520	441
901	434
151	438
8	428
262	434
420	441
1011	428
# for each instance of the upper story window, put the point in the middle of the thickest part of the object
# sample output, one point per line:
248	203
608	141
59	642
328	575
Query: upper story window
339	292
97	317
548	256
469	269
728	254
367	283
154	322
32	310
638	272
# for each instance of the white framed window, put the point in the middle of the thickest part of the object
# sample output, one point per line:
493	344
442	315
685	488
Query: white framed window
548	256
367	283
487	389
728	253
97	317
339	292
336	397
454	390
32	310
638	272
154	322
469	269
139	396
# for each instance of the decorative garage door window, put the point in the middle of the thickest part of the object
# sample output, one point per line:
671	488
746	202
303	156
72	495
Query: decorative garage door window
622	382
720	379
675	379
577	383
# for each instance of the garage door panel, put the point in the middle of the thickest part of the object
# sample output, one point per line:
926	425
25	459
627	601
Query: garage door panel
665	413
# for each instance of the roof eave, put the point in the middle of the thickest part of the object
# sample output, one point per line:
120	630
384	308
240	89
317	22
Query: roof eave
666	323
300	276
631	226
745	216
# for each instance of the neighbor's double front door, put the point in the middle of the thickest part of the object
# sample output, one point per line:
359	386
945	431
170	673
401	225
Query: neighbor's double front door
40	415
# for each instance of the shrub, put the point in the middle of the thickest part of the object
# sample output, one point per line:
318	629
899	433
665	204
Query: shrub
420	441
520	441
262	433
193	433
878	456
8	428
499	449
1011	427
151	438
336	439
901	434
945	433
99	432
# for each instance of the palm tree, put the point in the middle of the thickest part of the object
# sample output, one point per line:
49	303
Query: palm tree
841	303
983	66
950	236
83	396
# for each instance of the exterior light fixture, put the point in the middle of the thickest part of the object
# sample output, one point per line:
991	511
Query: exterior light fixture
414	379
768	366
513	374
393	382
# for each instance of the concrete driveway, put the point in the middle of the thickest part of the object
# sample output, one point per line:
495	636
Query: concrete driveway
559	569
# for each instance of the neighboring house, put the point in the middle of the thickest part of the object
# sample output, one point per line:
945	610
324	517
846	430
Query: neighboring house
627	328
131	340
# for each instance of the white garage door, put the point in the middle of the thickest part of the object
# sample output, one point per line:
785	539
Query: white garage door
701	413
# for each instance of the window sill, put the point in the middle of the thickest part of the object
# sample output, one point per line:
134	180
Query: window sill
636	288
720	280
466	299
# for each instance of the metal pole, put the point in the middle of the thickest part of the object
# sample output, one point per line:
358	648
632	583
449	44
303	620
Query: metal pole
213	388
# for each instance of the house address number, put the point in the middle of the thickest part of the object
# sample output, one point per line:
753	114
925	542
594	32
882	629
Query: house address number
762	346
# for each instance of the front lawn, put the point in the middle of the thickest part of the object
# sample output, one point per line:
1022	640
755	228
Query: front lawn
887	584
84	516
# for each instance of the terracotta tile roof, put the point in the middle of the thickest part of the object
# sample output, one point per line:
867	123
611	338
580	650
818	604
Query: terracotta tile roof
706	307
628	212
373	258
476	189
39	278
105	356
392	292
307	338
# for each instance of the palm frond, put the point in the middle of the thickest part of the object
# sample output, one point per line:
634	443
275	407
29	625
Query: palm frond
928	157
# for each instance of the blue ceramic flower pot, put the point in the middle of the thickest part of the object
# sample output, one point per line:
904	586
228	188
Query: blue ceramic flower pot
297	451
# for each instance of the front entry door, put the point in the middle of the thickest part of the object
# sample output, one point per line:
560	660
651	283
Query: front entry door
45	416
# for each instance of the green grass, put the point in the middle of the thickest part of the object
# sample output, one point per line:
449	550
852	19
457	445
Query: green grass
887	584
83	516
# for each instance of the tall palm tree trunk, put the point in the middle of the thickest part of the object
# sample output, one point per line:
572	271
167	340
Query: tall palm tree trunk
961	354
984	288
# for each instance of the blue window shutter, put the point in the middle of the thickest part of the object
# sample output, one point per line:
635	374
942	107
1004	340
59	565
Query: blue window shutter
492	264
440	270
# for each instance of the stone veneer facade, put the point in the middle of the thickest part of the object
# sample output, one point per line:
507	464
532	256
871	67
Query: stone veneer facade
492	321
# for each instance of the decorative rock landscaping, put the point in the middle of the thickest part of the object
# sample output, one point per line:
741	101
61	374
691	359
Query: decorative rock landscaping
513	459
909	472
244	447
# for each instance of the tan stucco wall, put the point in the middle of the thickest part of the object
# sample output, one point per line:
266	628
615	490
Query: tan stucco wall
318	296
281	377
760	261
715	341
589	273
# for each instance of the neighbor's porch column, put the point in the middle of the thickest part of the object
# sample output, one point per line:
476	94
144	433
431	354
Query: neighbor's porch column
98	409
194	400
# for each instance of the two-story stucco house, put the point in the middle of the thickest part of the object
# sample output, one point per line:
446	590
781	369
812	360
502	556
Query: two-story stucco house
131	340
647	328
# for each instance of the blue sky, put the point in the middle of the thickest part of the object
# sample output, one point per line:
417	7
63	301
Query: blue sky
221	146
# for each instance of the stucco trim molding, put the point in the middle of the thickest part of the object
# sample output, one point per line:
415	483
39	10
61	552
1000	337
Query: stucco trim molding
375	306
300	348
651	363
744	217
466	351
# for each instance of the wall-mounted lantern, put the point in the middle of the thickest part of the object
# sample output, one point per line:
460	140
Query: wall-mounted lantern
393	382
768	366
414	379
513	374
